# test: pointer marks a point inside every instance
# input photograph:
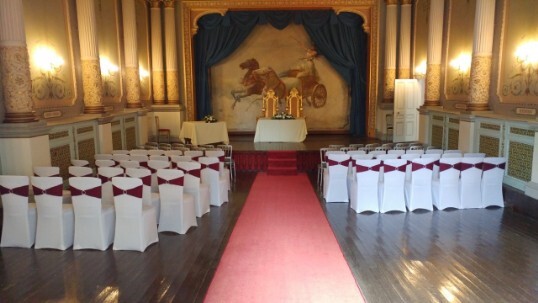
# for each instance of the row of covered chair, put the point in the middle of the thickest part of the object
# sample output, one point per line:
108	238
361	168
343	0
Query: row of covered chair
382	185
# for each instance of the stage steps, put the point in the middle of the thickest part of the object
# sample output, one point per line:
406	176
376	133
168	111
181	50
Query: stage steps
282	162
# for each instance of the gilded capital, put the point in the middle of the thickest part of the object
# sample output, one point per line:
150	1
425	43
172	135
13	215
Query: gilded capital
406	2
391	2
169	3
155	3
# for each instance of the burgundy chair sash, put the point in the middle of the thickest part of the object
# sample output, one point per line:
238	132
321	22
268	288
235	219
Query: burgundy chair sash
195	158
107	179
464	166
361	169
146	180
417	166
213	166
53	191
152	170
87	175
487	166
19	191
445	166
92	192
193	172
135	191
389	168
176	181
221	159
343	163
144	164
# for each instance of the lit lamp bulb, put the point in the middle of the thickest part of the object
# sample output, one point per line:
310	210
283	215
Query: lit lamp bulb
143	73
420	70
527	54
47	59
107	68
462	63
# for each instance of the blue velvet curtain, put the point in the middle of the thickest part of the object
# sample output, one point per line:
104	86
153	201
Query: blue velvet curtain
340	38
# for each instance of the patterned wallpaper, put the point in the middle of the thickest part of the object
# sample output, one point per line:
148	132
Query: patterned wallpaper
520	161
437	136
130	138
116	140
61	157
489	146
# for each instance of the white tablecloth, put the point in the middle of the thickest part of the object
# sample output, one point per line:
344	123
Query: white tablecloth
273	130
204	133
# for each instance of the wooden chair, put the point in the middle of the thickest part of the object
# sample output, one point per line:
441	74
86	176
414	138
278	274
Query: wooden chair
270	104
294	103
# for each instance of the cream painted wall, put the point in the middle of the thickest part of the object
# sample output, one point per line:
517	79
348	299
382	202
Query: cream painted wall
105	138
18	156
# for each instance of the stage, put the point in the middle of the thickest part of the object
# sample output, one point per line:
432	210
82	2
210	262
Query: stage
252	156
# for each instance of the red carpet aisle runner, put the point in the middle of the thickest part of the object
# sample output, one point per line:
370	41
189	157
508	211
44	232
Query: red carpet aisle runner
282	162
282	249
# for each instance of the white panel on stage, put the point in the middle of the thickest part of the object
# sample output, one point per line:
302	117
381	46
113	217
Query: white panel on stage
275	130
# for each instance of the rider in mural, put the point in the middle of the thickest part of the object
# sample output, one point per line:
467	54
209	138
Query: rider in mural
305	69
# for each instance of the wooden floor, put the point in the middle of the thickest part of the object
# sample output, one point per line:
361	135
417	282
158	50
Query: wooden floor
485	255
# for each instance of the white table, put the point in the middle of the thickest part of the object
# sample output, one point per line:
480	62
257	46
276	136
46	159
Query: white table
200	132
274	130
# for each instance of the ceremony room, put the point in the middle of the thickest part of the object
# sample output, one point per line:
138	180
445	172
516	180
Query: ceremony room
268	151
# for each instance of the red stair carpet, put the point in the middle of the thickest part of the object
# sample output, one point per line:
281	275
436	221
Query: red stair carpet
282	162
282	249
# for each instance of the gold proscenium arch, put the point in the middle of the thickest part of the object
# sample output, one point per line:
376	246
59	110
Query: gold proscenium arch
192	11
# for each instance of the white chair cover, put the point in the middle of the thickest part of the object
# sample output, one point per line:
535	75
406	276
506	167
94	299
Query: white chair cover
142	152
218	191
376	153
474	155
55	220
129	164
452	151
446	188
120	157
364	188
176	159
224	172
155	152
193	186
148	197
322	166
470	182
398	152
102	157
80	171
418	191
415	151
387	156
391	190
436	157
136	227
83	163
94	221
178	212
52	171
105	163
194	154
451	155
335	177
153	166
170	153
120	151
106	174
492	181
19	216
142	159
159	158
351	153
409	158
362	157
434	151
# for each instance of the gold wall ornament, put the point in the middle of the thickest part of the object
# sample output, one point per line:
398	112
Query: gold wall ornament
159	87
172	87
433	85
192	10
480	83
91	82
16	82
132	83
388	91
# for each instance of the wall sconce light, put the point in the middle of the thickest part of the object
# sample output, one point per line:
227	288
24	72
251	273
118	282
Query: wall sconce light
524	81
49	84
462	64
108	71
143	73
420	70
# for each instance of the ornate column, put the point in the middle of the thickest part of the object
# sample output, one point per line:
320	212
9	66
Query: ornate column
404	70
89	56
482	53
157	70
172	81
390	50
15	64
132	77
435	43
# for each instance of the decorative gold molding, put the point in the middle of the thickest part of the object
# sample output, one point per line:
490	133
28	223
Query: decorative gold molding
91	82
391	2
433	85
406	2
192	10
480	80
404	73
390	77
172	87
132	83
16	83
158	87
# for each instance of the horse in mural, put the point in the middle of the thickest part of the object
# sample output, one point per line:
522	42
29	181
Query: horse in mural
251	84
280	85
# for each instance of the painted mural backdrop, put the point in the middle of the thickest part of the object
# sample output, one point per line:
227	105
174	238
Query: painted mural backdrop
280	60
